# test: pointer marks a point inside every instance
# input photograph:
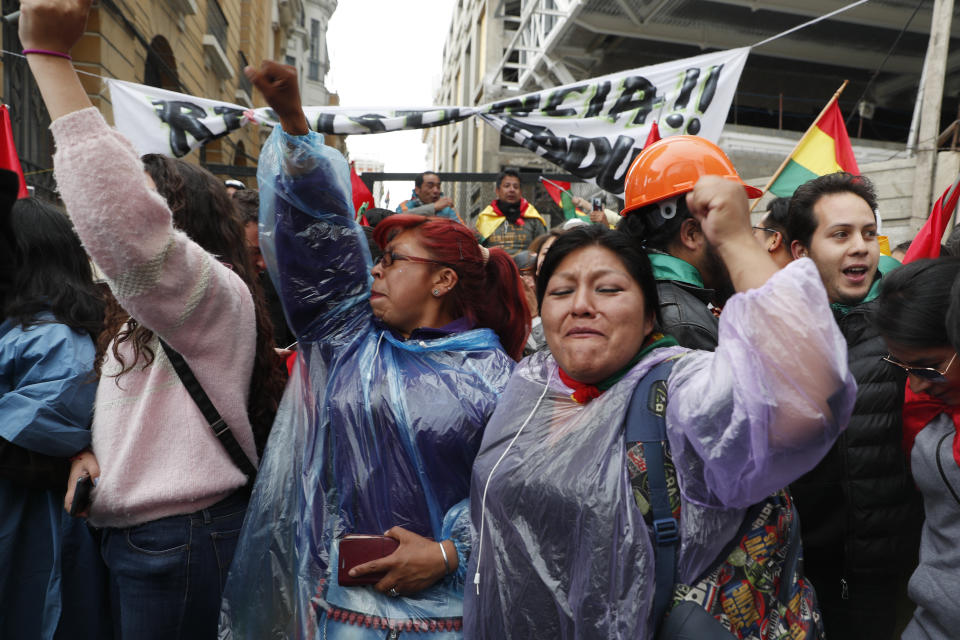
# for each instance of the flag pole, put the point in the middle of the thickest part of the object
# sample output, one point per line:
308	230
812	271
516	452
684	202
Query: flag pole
783	165
542	179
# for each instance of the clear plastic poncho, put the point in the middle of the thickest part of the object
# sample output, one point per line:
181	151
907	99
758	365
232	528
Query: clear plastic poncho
564	551
373	431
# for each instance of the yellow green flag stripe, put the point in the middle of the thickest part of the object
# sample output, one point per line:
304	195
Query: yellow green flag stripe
824	149
816	156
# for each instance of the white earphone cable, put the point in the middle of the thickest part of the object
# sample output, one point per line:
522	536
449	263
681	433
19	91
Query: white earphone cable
483	500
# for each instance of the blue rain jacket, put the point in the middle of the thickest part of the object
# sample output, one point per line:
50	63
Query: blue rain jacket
373	431
47	389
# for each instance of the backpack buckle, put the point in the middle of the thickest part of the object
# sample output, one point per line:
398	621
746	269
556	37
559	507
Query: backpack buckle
665	532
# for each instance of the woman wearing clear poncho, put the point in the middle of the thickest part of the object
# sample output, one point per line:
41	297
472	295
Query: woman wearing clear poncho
399	368
563	548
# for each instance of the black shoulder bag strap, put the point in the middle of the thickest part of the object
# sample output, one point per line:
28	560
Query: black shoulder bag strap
210	413
646	423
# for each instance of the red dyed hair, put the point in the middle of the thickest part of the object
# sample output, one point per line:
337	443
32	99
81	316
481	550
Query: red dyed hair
490	295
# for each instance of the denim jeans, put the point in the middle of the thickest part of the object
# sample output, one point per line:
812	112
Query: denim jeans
167	576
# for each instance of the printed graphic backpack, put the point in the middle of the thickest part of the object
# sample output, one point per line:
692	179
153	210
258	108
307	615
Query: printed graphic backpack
755	590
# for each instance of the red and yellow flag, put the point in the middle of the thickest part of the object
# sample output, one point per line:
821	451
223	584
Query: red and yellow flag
825	148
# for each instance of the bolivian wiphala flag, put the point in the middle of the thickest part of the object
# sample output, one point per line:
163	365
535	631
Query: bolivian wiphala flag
825	148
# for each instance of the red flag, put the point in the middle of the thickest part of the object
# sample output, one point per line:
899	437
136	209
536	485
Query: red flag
361	193
555	188
926	244
8	151
653	136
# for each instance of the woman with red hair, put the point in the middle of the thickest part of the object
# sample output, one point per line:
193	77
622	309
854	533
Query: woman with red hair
400	365
464	281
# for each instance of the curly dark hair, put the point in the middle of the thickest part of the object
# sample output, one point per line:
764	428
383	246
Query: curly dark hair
203	210
46	270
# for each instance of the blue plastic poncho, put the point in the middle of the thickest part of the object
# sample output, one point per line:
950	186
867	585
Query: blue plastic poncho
373	431
47	389
564	551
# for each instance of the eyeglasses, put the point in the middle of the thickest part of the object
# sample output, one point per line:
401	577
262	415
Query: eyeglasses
926	373
767	229
389	257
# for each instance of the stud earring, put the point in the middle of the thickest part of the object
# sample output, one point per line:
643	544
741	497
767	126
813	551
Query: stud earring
436	293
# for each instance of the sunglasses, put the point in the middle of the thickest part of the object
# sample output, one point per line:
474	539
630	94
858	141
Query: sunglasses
925	373
389	257
767	229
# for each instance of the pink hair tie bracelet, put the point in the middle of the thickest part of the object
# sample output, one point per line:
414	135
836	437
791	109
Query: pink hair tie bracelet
48	52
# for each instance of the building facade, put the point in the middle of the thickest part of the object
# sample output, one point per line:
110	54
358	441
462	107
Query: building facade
473	48
196	47
305	47
503	48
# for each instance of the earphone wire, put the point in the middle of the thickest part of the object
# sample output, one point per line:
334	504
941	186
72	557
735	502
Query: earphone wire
486	486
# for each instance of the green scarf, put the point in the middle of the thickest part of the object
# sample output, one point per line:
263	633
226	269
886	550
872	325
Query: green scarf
844	309
666	267
659	340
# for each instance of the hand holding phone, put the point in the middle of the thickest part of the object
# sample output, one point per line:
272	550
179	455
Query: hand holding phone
81	496
356	549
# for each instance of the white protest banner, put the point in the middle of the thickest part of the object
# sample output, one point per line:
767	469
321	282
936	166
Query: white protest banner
593	128
160	121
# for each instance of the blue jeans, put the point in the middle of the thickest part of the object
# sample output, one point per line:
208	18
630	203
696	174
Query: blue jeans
167	576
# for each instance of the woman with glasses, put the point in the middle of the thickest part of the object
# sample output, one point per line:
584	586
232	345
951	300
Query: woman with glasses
912	318
400	365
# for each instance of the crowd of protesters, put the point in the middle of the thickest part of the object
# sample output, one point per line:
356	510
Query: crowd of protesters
264	419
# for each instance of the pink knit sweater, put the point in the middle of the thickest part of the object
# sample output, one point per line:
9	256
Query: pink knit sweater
158	456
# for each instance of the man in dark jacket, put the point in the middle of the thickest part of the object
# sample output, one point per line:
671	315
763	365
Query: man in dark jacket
692	282
859	510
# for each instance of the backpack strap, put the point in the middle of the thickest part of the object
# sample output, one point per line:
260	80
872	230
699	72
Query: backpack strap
210	413
646	423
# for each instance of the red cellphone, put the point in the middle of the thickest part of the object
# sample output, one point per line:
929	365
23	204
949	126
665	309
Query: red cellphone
356	549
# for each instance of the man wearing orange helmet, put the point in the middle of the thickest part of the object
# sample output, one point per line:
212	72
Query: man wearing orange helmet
691	279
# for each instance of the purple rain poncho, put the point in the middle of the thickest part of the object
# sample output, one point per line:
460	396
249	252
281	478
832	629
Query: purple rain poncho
373	431
564	552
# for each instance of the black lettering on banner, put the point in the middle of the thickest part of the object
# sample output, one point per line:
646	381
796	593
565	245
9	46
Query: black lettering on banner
183	118
610	179
674	120
637	93
686	89
579	149
232	117
570	152
598	100
411	119
709	88
326	123
517	106
372	121
556	99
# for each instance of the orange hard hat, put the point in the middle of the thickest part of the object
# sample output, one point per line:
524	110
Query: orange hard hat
672	166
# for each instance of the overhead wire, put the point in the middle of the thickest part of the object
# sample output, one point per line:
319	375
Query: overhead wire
884	61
